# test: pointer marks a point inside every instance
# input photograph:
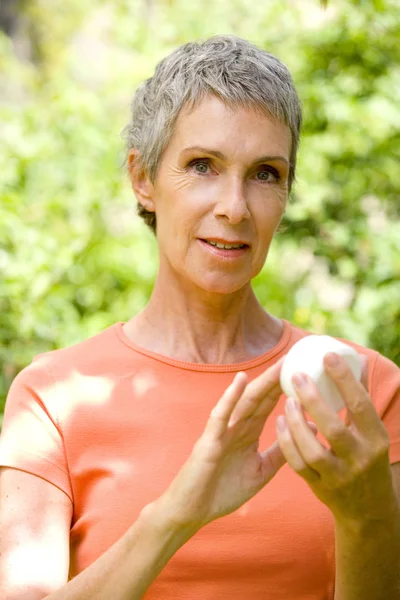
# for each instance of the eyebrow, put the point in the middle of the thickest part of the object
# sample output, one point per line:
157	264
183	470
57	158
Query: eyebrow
222	156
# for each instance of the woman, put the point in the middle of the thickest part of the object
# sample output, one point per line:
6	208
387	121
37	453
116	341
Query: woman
148	461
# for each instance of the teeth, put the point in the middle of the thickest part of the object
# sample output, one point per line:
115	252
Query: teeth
225	246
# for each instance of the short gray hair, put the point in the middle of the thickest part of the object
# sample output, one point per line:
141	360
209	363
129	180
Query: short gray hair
229	67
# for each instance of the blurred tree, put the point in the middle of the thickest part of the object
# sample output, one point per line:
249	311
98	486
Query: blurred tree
8	16
74	258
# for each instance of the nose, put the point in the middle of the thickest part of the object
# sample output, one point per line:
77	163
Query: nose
232	202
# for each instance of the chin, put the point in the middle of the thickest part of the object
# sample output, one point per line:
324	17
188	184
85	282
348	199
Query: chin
223	285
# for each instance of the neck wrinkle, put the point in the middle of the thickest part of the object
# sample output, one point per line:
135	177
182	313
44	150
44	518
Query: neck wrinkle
202	330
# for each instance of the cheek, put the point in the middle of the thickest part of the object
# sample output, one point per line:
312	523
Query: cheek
190	209
199	196
266	220
267	214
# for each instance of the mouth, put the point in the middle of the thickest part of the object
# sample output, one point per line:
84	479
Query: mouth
225	245
223	249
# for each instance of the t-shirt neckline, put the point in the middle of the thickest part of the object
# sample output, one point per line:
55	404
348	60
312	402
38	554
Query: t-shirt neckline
205	367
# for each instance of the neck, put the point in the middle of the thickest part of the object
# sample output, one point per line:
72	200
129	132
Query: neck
204	327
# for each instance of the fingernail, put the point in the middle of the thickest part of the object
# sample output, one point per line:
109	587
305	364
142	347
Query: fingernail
313	427
281	423
291	405
300	380
332	359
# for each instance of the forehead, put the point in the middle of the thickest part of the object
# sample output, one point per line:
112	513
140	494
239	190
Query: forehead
214	124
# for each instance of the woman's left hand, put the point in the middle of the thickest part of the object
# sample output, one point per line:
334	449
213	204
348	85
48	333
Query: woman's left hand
353	477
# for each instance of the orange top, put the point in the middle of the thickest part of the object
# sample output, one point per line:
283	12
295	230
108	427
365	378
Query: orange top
111	424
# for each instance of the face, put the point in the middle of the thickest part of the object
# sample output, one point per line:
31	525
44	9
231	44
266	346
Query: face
223	179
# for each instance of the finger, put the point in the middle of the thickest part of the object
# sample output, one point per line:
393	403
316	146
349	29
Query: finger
222	411
313	427
261	394
292	453
268	403
359	404
273	458
312	451
364	381
364	371
327	420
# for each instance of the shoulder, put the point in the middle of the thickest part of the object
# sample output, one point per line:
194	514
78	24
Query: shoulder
85	353
61	378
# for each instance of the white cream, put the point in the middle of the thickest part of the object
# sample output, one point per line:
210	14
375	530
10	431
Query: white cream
307	355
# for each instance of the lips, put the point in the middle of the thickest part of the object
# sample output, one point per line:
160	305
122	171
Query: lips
228	254
215	241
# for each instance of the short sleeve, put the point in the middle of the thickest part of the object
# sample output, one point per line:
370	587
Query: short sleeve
385	392
31	438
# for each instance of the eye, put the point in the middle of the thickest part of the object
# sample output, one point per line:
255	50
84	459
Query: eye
200	165
267	174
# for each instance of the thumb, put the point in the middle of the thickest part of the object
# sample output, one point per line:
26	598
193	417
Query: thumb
274	459
313	427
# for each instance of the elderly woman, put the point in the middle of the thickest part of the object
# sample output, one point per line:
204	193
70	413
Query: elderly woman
159	459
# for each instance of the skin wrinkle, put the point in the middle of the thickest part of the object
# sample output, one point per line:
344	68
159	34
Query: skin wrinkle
221	156
211	299
222	168
254	79
180	176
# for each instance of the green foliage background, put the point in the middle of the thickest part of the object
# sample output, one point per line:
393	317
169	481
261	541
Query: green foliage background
75	258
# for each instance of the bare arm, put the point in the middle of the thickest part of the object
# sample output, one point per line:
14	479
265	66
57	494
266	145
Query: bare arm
35	519
34	547
223	471
368	560
129	567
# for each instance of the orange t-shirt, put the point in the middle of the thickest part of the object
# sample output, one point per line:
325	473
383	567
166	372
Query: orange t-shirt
111	424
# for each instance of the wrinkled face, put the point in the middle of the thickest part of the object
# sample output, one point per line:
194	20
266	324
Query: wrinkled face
223	179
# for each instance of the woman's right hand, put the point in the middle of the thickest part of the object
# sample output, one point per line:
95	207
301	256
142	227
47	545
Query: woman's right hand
225	468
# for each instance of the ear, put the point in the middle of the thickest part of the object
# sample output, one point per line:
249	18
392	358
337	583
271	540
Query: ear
140	181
